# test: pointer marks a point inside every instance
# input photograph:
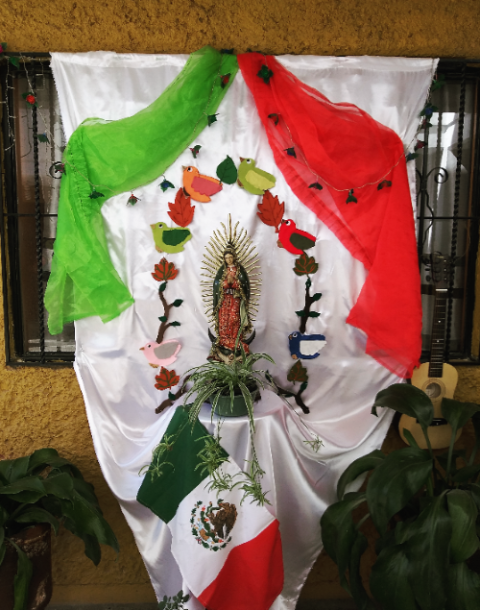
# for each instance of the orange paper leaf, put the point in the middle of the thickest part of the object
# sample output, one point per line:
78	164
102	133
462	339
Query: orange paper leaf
165	271
167	379
305	265
297	373
181	212
270	211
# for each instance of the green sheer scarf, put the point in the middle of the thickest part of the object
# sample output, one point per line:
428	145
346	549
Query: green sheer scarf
115	157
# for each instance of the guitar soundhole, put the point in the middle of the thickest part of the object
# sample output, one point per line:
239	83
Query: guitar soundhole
433	390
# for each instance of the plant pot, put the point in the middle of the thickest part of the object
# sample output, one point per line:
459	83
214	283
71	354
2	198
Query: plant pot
36	542
224	407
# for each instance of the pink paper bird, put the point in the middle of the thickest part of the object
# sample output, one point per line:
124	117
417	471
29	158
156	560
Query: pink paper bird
161	354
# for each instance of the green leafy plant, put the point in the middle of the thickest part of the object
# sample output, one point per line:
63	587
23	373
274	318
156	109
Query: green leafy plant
46	488
425	509
214	380
174	603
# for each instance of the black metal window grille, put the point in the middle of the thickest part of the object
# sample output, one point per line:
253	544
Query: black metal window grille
448	206
29	205
448	209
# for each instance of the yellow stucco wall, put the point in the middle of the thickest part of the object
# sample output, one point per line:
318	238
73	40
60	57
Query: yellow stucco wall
44	407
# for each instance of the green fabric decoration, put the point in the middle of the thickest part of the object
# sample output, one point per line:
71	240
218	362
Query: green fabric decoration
115	157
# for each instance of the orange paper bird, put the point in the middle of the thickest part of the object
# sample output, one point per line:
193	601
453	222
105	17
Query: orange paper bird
199	187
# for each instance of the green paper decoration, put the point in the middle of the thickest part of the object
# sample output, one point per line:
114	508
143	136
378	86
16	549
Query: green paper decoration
224	80
411	156
316	185
275	118
265	74
165	184
211	118
132	200
95	194
226	51
42	137
14	61
351	198
227	172
195	150
384	183
291	151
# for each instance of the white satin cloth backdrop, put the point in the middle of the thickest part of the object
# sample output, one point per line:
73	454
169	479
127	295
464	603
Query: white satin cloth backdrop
115	378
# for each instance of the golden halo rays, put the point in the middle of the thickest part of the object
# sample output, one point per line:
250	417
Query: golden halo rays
246	255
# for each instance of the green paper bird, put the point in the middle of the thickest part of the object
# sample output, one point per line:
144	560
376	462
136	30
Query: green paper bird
252	179
169	240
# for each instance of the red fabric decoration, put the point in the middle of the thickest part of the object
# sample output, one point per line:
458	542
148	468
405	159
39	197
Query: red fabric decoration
344	149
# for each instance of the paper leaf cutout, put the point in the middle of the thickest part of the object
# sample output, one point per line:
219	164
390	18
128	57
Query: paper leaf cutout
224	80
132	200
166	185
428	110
298	373
411	156
265	74
271	211
42	137
195	150
438	82
315	185
161	288
226	51
167	379
58	167
351	198
291	152
14	61
305	265
275	118
211	118
384	183
316	297
175	324
227	172
181	212
95	194
165	271
301	314
177	302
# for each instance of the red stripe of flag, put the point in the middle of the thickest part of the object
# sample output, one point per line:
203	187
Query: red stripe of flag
252	576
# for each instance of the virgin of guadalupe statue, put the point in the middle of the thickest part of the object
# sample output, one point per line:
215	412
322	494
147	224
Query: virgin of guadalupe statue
232	295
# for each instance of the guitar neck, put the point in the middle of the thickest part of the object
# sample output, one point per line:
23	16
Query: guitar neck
437	345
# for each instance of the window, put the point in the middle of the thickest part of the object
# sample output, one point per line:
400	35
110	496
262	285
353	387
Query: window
30	202
448	208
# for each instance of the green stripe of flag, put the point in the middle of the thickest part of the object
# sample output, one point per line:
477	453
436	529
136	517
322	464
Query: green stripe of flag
163	494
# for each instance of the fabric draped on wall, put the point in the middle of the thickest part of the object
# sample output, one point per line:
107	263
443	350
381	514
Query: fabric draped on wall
341	149
115	157
115	377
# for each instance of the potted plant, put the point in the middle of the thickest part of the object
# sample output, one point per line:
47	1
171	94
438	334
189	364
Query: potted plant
425	509
232	389
45	489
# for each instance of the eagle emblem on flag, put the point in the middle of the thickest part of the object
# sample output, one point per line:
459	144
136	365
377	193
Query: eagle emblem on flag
211	525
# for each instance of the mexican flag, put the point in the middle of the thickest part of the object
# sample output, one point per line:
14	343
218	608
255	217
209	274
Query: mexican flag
230	554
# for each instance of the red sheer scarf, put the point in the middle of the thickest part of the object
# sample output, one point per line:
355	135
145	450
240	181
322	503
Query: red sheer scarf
340	147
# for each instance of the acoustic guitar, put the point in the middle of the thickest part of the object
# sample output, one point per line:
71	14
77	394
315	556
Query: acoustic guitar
436	378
